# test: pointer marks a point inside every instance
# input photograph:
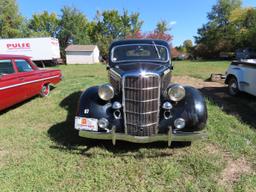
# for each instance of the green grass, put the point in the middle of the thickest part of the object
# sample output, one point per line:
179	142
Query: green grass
200	69
40	151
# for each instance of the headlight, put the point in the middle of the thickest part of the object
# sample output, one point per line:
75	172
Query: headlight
103	123
106	92
176	92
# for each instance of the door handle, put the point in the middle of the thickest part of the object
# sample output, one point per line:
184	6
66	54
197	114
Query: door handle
22	78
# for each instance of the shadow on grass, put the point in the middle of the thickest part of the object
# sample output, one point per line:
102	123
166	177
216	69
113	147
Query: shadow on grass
67	139
242	106
13	107
21	103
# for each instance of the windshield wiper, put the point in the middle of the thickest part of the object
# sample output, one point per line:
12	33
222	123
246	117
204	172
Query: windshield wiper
157	51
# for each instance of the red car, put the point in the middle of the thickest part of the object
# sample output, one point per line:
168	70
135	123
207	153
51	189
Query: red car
21	79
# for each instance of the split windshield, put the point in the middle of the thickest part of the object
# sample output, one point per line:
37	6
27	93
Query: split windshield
139	52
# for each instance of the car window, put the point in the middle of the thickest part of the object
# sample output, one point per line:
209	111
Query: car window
139	52
6	67
23	66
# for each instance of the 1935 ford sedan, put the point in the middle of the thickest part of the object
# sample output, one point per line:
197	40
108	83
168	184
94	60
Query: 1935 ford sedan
140	104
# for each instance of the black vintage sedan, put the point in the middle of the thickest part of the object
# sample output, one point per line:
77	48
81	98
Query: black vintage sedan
140	104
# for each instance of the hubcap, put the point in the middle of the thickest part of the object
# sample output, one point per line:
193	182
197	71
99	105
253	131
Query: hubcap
233	85
233	88
45	90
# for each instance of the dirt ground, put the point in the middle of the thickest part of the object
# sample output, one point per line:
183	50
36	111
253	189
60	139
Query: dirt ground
242	106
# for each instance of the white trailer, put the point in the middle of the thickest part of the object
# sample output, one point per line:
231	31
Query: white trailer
41	50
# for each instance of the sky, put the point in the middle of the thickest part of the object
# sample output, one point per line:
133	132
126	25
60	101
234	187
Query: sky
184	16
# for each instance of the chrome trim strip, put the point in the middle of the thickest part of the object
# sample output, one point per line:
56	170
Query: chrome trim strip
114	72
185	136
147	125
166	71
150	112
146	88
152	60
29	82
123	103
142	101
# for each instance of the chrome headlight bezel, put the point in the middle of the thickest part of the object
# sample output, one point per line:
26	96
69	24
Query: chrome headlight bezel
176	92
106	92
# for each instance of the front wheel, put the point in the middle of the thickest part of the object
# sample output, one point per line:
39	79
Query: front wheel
233	89
45	91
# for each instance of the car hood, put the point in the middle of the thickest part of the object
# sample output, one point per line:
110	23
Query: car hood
140	67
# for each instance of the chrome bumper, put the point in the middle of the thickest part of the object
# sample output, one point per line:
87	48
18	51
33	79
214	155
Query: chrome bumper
184	136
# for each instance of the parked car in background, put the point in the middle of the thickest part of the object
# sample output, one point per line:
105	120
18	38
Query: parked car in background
140	104
246	53
21	79
241	76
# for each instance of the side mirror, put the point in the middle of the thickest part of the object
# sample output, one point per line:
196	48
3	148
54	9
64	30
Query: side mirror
1	75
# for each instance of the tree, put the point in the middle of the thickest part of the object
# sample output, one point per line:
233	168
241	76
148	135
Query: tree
10	19
44	24
175	53
218	35
161	32
135	24
162	27
111	25
72	27
188	45
220	12
244	21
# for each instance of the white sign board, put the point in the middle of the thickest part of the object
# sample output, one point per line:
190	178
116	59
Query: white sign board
38	49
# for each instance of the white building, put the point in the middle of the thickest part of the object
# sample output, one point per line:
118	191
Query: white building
82	54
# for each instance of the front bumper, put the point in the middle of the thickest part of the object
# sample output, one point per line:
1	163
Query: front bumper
178	136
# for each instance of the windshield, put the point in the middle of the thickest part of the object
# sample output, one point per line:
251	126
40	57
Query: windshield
138	52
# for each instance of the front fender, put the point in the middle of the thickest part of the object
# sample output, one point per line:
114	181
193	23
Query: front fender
91	106
196	109
192	109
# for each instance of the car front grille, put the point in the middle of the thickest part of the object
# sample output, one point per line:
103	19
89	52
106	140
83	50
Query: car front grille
141	100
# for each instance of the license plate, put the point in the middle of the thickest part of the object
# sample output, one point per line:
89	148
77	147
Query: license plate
88	124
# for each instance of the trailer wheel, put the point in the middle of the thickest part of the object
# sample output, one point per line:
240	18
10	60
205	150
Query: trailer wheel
233	89
45	91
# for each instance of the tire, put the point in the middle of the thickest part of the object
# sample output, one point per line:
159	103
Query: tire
45	91
233	89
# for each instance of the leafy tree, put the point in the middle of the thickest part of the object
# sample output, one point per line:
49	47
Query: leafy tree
163	36
162	27
72	27
188	46
161	32
10	19
109	25
175	53
244	21
217	35
220	13
44	24
135	24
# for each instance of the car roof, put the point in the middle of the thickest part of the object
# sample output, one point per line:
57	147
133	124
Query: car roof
6	56
138	41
